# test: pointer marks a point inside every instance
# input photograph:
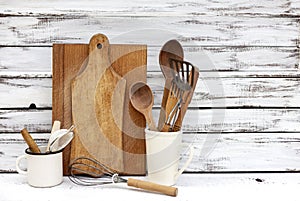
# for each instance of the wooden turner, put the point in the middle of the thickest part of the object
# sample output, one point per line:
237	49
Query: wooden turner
171	49
97	107
188	76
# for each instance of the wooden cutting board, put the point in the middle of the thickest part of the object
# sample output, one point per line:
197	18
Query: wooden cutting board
97	107
129	61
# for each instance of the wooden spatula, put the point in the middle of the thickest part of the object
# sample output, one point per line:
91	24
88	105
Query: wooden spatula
188	76
97	106
171	49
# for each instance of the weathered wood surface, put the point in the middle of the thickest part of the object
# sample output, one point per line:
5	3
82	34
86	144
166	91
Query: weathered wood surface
247	52
175	7
195	30
261	60
153	8
196	120
213	152
226	90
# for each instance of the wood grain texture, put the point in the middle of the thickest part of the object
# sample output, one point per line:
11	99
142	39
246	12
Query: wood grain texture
220	89
127	60
250	49
33	120
153	8
196	120
196	30
98	127
259	60
130	62
213	152
65	68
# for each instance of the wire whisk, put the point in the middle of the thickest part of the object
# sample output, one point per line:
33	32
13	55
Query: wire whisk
89	172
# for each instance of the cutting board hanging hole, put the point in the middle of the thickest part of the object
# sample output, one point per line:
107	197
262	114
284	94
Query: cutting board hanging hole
99	46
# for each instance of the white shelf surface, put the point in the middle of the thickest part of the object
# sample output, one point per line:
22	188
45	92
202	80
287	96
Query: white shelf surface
241	186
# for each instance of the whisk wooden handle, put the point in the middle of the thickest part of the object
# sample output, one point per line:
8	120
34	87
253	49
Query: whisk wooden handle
168	190
30	142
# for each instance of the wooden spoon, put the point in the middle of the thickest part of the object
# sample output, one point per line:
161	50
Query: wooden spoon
142	99
171	49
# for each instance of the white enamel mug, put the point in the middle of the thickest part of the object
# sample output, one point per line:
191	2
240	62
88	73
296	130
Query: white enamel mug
43	169
163	154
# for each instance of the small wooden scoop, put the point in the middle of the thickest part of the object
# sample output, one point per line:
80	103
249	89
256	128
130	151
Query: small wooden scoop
142	99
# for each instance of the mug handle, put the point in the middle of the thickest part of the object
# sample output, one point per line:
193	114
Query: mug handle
187	162
19	170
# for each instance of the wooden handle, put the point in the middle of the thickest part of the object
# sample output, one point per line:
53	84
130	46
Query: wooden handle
150	121
31	143
187	97
171	103
168	190
162	114
56	126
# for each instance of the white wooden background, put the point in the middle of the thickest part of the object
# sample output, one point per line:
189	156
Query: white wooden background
245	115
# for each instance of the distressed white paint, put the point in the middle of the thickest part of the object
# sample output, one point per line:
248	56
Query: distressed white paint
196	120
261	60
222	91
153	8
213	152
257	41
196	30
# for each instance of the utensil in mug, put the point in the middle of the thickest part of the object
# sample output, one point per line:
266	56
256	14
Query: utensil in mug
30	142
187	76
58	137
43	169
163	155
173	105
171	49
61	141
142	99
55	127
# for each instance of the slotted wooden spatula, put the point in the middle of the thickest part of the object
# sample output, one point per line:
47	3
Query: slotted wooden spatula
187	75
97	107
171	49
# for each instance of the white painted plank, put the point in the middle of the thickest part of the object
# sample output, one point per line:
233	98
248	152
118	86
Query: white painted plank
33	120
244	152
241	120
203	120
153	8
219	89
26	59
22	92
196	30
258	59
213	152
